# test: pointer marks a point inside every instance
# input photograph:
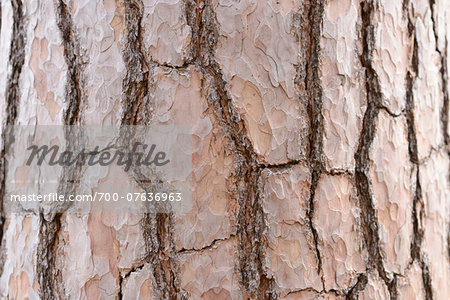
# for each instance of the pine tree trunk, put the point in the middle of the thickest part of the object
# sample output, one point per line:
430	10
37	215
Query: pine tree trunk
321	146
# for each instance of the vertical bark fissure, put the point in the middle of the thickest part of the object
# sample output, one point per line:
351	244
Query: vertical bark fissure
445	105
310	214
418	205
314	93
246	187
308	26
137	85
49	268
362	155
16	59
75	65
160	254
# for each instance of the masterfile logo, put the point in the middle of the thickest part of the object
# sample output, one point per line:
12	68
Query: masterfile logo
102	157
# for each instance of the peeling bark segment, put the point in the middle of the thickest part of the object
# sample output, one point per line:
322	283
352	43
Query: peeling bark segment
104	253
439	10
107	247
178	99
375	289
256	51
210	273
18	276
290	254
392	180
166	34
104	250
433	178
428	85
138	285
129	241
342	78
391	54
433	15
336	219
439	17
48	69
99	27
77	251
411	286
45	68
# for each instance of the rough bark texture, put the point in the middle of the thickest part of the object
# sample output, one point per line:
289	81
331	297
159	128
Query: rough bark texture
321	132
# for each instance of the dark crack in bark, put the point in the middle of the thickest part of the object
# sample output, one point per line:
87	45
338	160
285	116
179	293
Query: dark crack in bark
125	276
280	167
359	286
137	86
246	185
75	65
212	245
445	105
314	11
12	97
49	276
418	205
48	267
308	30
362	155
161	254
315	176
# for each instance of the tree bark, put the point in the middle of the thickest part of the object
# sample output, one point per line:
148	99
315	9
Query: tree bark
321	164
